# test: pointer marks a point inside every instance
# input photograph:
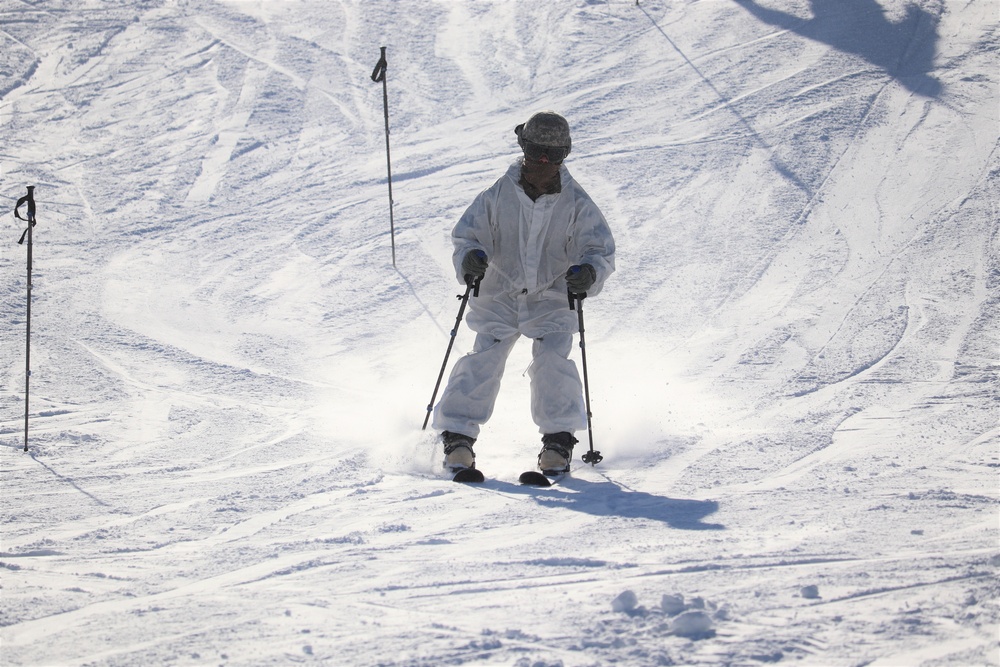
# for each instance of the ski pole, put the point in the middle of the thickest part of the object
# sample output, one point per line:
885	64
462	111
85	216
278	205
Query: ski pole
576	303
379	75
28	199
471	287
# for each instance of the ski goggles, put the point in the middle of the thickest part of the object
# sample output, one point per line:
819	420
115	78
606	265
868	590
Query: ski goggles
552	154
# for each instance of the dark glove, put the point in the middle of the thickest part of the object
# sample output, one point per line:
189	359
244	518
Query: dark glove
474	265
580	278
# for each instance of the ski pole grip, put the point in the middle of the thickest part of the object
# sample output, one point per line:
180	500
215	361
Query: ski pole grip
571	295
474	281
380	67
28	199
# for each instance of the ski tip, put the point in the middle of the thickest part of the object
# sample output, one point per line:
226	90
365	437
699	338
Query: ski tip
534	478
469	476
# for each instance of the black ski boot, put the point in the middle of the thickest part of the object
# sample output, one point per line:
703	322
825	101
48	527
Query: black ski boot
458	454
557	452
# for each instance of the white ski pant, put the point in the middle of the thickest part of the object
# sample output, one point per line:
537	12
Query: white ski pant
556	390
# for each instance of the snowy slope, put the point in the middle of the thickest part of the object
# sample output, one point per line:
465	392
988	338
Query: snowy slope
794	370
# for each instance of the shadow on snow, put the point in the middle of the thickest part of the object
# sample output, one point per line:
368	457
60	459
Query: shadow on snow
610	499
904	49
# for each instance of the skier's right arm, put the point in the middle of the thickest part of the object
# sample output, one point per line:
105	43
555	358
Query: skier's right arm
472	239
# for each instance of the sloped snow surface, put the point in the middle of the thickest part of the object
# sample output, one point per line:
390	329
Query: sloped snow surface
793	371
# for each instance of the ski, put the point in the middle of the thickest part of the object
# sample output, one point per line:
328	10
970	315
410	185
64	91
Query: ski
469	476
527	478
536	478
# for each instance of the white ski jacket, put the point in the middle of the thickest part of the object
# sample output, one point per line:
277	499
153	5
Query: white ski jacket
530	246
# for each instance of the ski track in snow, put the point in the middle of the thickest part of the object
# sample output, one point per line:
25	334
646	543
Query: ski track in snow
793	372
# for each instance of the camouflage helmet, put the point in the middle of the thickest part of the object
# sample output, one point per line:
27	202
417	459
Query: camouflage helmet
545	129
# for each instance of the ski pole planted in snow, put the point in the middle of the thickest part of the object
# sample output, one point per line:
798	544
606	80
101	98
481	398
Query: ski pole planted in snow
378	74
576	303
472	287
28	199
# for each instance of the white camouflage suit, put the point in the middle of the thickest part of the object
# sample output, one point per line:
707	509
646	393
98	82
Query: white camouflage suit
530	245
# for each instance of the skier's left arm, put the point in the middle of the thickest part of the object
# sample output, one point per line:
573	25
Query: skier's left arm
593	244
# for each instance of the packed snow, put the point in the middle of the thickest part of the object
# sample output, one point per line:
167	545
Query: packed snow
794	371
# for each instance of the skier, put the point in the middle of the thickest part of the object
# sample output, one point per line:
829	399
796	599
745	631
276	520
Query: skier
530	238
